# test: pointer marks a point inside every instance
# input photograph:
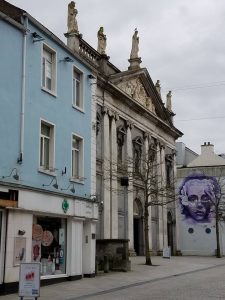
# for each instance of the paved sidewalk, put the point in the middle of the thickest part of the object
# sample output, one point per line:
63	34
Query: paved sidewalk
140	273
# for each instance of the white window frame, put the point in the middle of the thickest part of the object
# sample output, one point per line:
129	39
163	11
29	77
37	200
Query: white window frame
81	89
52	52
51	167
80	177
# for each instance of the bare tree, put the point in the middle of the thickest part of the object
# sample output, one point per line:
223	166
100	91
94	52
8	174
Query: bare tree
147	170
159	188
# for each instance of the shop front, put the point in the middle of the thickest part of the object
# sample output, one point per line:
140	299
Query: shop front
41	230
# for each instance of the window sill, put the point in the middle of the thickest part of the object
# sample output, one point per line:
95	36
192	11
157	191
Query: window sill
49	91
47	172
77	180
78	108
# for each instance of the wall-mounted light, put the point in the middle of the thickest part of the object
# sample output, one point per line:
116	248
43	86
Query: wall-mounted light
20	158
72	188
21	232
64	171
93	198
55	185
15	176
67	59
37	37
90	76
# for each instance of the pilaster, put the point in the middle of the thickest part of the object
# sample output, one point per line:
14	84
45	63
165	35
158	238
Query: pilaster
106	175
114	183
130	197
160	174
146	148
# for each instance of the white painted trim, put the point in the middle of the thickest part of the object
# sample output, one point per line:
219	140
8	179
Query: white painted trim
40	169
74	67
77	180
54	79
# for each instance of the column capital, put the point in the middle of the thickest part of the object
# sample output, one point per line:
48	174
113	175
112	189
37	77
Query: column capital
104	110
146	135
129	124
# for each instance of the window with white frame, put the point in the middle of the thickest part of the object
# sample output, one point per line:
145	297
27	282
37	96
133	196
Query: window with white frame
77	157
49	69
47	146
77	88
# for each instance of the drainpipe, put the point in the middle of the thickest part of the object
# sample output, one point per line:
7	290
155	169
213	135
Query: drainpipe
23	92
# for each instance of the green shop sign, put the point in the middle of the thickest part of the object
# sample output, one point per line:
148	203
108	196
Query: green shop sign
65	206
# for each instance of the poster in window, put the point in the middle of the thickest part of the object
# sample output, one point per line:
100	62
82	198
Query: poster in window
61	236
19	250
36	251
47	238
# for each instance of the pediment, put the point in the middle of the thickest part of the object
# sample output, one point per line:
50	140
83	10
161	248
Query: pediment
135	89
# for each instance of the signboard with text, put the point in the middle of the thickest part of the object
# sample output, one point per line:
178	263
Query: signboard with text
29	280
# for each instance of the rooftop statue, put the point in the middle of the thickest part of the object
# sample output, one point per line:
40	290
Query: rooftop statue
135	45
101	41
71	21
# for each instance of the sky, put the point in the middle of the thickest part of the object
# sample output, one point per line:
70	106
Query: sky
181	43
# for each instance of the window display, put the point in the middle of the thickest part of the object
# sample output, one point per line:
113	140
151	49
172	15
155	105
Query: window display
49	244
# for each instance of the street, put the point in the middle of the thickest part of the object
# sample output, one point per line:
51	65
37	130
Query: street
207	284
183	277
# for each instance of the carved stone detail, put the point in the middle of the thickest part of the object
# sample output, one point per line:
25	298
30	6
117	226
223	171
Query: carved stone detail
136	90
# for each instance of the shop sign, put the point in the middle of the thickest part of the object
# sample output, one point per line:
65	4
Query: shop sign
65	206
29	280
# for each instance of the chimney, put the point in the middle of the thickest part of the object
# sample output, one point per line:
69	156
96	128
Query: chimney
207	148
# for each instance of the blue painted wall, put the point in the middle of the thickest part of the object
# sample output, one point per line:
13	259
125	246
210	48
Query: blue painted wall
40	105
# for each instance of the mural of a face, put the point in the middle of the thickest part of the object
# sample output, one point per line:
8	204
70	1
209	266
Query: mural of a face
198	200
197	196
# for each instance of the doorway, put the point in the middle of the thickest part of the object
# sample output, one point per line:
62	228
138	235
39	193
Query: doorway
138	228
170	232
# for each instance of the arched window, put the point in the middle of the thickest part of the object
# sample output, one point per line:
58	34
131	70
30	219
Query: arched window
137	208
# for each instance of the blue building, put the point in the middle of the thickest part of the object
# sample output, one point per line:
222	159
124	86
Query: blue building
47	211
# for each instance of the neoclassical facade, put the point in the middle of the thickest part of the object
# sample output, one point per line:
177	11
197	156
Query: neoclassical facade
130	117
128	114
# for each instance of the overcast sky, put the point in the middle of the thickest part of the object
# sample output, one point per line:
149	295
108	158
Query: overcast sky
182	43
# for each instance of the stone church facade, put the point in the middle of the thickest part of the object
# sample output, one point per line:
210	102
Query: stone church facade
128	114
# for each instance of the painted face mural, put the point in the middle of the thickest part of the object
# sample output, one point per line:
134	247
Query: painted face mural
198	195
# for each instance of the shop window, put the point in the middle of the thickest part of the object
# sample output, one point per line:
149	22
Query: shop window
49	245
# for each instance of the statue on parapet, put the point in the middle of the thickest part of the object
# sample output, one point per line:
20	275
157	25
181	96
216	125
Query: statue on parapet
101	41
135	45
71	21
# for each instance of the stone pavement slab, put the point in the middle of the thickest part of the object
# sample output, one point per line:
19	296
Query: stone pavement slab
140	273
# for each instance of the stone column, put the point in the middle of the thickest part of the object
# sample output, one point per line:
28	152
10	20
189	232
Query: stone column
146	148
114	183
130	197
160	166
106	175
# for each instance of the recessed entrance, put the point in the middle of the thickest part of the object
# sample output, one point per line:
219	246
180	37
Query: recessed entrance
170	232
138	228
